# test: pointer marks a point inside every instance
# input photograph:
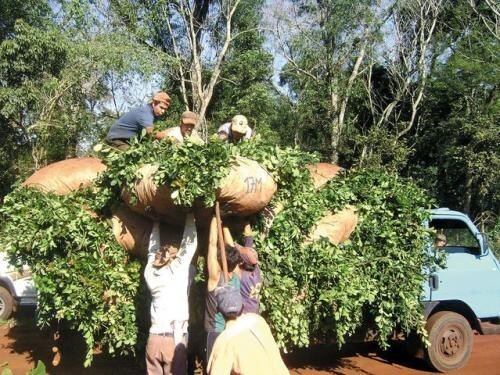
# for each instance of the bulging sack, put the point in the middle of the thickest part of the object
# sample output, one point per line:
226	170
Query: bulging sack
321	173
337	228
247	189
132	232
152	201
66	176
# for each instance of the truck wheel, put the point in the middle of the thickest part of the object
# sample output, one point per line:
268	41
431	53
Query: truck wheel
450	336
6	304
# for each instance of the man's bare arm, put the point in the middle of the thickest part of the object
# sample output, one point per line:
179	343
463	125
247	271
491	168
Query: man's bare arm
212	263
156	135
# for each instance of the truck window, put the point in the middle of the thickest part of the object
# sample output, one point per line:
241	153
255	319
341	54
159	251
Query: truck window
458	236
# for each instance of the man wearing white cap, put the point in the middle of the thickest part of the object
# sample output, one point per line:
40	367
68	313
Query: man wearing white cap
235	130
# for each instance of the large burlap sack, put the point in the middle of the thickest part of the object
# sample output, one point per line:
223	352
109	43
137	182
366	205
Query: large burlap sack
66	176
337	228
321	173
132	232
152	201
246	190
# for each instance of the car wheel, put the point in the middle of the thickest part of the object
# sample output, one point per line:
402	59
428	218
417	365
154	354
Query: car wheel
450	336
6	304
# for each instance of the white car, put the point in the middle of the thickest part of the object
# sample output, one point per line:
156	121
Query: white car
16	288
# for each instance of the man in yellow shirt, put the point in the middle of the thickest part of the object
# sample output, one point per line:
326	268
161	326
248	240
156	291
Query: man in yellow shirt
246	346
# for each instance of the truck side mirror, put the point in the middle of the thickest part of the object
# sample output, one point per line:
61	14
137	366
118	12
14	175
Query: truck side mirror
485	244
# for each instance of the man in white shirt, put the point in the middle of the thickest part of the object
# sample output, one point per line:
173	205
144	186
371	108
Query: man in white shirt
168	277
185	130
235	130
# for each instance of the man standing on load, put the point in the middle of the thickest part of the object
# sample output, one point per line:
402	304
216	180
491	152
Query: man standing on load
132	123
168	276
235	130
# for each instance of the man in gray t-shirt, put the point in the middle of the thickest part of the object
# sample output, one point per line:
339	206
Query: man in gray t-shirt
130	125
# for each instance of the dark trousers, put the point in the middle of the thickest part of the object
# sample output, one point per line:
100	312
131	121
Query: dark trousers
120	144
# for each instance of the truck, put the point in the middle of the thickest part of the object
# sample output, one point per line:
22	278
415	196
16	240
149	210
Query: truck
16	288
464	296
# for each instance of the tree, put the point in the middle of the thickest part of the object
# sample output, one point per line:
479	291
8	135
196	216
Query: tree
245	85
324	44
459	146
194	37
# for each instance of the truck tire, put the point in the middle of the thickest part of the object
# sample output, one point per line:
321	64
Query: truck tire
450	336
6	304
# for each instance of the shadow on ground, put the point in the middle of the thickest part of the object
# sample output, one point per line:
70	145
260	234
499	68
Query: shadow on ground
328	358
33	345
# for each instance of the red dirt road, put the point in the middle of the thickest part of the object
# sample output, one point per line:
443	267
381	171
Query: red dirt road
23	345
364	359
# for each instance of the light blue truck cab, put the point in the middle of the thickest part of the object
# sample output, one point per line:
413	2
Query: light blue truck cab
462	297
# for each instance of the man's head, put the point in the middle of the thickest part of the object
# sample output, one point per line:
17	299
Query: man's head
239	126
229	301
440	240
160	103
233	258
188	122
164	256
249	257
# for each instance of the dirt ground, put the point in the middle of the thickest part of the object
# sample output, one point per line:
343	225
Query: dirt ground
22	345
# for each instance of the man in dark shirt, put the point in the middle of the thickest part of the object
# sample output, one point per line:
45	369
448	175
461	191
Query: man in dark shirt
130	125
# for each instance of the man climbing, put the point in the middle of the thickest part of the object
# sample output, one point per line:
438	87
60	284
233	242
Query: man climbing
131	124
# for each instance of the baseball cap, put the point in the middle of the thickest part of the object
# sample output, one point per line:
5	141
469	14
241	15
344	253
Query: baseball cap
239	124
189	118
229	300
162	97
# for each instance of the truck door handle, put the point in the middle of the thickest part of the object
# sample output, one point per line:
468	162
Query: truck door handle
434	282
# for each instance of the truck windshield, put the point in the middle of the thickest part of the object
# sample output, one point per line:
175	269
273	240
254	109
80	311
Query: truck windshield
457	234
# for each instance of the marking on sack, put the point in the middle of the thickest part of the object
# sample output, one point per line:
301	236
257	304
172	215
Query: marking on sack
253	184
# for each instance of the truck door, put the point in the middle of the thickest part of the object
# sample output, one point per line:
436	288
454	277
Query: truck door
470	275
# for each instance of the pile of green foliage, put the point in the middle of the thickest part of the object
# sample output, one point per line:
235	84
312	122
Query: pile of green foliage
82	275
313	291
